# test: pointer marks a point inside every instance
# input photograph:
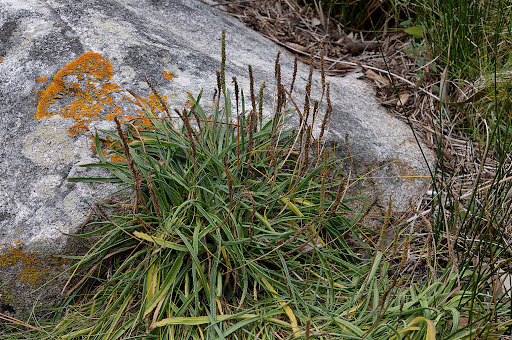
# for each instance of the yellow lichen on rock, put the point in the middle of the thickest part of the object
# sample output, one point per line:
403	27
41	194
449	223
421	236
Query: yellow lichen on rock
83	92
33	270
168	75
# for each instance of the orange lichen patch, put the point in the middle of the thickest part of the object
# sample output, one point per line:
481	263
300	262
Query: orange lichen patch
39	94
117	158
110	145
169	75
142	123
33	270
42	79
189	102
140	120
1	59
83	92
155	103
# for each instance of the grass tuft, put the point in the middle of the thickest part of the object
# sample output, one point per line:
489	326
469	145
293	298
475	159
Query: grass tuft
239	228
234	231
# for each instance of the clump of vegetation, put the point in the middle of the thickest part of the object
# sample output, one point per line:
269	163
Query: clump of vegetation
463	51
240	228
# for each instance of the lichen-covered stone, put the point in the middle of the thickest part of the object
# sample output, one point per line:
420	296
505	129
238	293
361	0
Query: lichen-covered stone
64	66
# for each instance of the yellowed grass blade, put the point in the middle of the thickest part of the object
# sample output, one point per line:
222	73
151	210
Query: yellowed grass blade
286	308
159	241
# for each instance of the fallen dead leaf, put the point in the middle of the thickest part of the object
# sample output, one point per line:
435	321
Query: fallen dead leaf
503	284
402	99
379	80
463	322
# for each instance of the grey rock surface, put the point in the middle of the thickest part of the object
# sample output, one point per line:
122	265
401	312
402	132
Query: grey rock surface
146	37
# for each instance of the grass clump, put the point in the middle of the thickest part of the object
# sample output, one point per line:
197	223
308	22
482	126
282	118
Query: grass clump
238	228
471	42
